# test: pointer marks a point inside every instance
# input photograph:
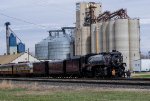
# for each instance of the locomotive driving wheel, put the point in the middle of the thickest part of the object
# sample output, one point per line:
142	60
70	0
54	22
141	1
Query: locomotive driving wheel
121	72
101	72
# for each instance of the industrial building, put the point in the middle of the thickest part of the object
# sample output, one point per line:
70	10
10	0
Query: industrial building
11	42
103	32
82	36
17	58
120	34
57	46
141	65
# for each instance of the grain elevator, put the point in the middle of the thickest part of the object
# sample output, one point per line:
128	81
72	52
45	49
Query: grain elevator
98	31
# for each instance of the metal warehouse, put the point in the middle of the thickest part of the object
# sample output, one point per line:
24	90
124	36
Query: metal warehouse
141	65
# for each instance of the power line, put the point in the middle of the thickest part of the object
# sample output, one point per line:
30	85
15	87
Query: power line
18	19
15	34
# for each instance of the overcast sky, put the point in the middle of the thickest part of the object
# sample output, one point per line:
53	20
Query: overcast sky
31	19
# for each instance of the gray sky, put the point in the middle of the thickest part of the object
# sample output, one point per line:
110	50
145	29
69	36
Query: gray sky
53	14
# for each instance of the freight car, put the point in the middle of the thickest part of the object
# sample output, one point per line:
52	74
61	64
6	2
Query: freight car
91	65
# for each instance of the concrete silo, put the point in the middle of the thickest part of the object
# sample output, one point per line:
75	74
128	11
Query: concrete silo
85	41
111	35
134	35
100	37
122	39
93	38
104	36
97	37
78	41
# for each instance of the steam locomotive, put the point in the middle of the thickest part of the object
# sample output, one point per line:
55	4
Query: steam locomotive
103	65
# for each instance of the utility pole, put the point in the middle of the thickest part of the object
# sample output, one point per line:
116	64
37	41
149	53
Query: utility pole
7	37
28	54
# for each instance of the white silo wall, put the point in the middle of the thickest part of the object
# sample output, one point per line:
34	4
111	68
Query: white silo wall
93	38
104	33
100	37
97	38
85	41
134	35
122	39
78	41
75	42
13	50
111	35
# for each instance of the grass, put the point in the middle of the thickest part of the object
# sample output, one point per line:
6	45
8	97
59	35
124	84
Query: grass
34	92
141	75
25	95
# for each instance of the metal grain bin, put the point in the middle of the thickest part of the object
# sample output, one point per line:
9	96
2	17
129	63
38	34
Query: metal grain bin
41	49
59	48
12	40
21	47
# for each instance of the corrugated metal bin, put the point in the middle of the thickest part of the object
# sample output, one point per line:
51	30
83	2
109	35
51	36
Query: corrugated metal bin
21	47
12	40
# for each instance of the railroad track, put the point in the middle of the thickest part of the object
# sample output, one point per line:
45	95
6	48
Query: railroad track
116	82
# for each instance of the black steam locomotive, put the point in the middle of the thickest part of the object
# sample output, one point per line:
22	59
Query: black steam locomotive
107	64
91	65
